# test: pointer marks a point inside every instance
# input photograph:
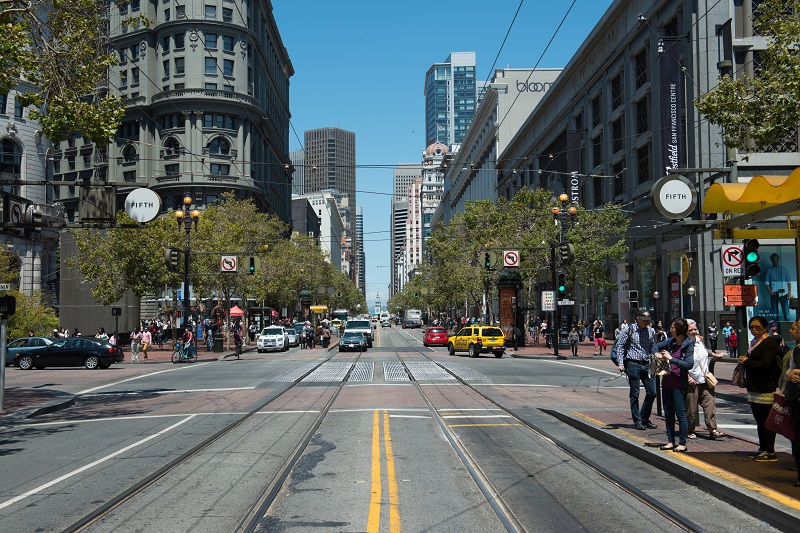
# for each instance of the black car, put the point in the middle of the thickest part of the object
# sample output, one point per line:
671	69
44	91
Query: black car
74	351
24	344
353	340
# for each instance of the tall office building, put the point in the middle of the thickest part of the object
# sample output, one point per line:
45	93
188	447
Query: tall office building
298	158
404	175
361	258
451	96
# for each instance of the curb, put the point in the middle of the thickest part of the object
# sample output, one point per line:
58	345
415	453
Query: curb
63	401
751	503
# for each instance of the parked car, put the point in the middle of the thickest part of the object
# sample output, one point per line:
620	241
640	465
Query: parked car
23	344
74	351
273	338
353	341
293	336
476	340
435	336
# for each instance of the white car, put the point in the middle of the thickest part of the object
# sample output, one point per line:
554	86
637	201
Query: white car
273	338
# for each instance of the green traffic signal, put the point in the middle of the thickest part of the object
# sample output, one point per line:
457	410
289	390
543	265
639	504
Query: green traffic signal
752	257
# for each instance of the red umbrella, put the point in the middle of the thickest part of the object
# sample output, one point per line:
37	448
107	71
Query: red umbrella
236	311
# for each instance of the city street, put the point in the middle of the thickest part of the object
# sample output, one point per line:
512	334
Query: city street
357	445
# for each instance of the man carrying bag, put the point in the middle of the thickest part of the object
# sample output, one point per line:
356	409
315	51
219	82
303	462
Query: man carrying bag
632	356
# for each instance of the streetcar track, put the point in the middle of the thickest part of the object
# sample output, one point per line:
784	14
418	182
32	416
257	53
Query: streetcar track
251	520
492	495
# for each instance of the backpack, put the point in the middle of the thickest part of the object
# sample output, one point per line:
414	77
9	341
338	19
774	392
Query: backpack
613	355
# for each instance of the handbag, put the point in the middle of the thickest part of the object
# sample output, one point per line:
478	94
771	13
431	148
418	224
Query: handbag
711	379
739	379
779	419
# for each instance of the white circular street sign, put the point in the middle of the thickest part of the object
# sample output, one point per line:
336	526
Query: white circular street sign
228	263
674	196
511	258
142	205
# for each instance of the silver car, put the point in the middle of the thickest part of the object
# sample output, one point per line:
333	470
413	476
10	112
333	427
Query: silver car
273	338
294	338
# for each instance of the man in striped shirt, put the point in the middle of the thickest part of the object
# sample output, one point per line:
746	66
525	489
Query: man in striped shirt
634	347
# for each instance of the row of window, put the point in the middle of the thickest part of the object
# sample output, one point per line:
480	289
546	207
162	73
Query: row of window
19	110
210	120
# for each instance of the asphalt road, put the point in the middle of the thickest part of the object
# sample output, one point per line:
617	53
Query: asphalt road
390	453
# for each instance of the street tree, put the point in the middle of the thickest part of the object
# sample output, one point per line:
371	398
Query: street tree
60	48
34	313
762	108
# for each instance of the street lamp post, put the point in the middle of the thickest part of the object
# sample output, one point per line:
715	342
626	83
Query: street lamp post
187	216
562	214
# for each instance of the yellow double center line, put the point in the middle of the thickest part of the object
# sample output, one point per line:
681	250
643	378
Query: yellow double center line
374	519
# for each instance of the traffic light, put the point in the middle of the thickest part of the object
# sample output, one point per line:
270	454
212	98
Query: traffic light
752	267
416	295
8	305
487	260
252	267
567	253
172	259
562	285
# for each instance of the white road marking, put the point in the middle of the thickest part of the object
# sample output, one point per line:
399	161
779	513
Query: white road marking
92	464
614	373
477	416
87	391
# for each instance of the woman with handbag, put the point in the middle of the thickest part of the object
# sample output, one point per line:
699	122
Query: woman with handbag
701	388
678	351
790	388
762	370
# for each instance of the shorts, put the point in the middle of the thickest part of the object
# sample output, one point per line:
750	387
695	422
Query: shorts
599	342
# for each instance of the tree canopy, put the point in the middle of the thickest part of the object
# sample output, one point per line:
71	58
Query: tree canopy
61	48
762	108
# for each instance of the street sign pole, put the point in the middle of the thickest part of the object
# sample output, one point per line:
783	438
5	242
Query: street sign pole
554	329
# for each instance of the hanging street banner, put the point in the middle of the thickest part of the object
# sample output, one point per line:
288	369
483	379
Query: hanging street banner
671	102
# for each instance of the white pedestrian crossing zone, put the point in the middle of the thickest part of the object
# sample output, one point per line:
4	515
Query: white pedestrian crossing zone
363	371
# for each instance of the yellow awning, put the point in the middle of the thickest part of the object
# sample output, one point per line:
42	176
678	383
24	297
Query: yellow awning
759	193
319	308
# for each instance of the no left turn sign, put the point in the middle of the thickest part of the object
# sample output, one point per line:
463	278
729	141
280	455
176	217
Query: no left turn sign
228	263
511	258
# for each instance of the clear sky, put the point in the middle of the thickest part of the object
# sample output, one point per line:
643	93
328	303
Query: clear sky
360	66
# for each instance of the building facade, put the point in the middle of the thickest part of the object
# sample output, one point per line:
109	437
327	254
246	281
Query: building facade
451	97
331	224
404	176
619	118
298	158
361	258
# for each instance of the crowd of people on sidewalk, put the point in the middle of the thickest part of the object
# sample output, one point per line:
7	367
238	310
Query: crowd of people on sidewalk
685	366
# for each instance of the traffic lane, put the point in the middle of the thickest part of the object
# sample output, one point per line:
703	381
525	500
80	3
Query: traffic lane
386	466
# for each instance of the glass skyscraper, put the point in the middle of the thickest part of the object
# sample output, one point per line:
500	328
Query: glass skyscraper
451	96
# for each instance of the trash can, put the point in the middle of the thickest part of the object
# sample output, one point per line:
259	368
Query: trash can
218	342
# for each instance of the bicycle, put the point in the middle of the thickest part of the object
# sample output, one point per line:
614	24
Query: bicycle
184	353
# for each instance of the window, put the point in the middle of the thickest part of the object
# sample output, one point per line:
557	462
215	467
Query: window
227	14
172	146
166	15
617	131
211	66
616	91
170	121
129	176
123	79
642	116
211	12
619	179
227	43
178	41
128	154
208	120
134	51
165	44
10	157
180	86
179	62
71	162
135	5
597	117
219	121
180	12
19	110
56	166
220	170
641	68
211	41
211	87
3	100
172	170
227	67
166	68
219	146
134	76
643	164
227	88
230	122
597	151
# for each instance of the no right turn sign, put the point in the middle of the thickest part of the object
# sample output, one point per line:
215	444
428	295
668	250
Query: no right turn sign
732	259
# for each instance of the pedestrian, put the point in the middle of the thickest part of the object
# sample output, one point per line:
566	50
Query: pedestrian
597	335
326	336
733	342
515	337
678	351
543	329
633	350
726	334
712	336
790	388
700	393
573	340
136	344
762	370
147	340
252	332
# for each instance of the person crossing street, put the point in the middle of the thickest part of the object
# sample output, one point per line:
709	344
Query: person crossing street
633	349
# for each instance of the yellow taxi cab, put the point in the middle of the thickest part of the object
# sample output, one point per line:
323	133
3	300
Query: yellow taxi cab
476	340
336	323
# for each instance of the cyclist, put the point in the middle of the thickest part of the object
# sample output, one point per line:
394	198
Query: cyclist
188	342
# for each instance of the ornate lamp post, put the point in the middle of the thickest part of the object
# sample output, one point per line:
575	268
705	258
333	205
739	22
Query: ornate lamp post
563	214
185	217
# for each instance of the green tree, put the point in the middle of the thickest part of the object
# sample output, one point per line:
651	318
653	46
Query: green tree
760	109
61	47
33	314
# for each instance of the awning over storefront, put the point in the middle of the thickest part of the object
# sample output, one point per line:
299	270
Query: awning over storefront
760	192
319	308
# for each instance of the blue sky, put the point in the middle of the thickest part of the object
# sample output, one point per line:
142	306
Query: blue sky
361	66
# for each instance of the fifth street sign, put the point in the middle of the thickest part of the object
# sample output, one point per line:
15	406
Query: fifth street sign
732	259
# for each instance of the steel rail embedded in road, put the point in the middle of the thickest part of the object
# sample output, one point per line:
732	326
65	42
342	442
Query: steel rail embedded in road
250	521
